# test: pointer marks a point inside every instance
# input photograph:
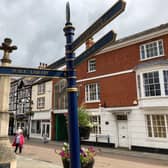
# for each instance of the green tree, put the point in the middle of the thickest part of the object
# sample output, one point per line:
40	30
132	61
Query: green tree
83	117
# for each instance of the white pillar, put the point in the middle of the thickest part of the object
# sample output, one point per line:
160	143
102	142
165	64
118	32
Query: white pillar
7	156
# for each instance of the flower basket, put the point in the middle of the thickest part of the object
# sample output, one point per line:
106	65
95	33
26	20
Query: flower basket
84	123
86	156
66	164
84	132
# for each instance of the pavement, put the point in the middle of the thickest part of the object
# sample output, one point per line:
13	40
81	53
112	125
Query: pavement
29	159
27	162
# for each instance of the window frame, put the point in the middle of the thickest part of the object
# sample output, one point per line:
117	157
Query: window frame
165	81
41	88
150	85
91	65
155	130
140	81
60	95
34	125
96	129
144	52
88	93
40	102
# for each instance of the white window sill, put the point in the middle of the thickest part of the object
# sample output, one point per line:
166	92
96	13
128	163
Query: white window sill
91	71
153	97
152	139
145	59
95	101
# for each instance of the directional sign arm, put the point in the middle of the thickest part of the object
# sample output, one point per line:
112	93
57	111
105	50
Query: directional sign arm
58	63
107	17
31	72
99	45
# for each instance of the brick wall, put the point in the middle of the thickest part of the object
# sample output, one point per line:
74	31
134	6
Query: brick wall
118	90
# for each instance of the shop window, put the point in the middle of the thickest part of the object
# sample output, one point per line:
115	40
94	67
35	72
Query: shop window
157	126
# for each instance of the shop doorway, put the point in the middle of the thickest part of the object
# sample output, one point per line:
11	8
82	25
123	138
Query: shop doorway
61	128
46	129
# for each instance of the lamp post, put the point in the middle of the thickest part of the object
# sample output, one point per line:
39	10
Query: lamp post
7	157
28	113
72	94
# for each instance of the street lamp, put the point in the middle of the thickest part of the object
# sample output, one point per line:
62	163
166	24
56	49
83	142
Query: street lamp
27	113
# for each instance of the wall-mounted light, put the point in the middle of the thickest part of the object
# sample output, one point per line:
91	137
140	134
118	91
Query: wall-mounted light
135	102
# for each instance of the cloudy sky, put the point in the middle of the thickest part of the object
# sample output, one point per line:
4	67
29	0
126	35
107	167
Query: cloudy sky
36	26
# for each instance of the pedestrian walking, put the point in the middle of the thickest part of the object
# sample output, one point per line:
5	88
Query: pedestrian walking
18	141
45	139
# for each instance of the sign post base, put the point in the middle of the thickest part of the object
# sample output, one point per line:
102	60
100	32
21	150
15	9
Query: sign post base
7	156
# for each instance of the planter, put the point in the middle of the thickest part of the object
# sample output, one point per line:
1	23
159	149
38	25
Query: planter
90	164
84	132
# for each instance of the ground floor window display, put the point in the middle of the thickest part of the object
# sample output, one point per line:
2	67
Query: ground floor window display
96	121
157	126
36	127
40	128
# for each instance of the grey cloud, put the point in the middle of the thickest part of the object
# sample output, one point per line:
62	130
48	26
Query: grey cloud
37	26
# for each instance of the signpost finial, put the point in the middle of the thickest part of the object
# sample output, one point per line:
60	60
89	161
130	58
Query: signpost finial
67	12
7	48
6	45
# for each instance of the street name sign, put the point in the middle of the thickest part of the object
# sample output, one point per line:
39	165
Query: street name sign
106	18
99	45
31	72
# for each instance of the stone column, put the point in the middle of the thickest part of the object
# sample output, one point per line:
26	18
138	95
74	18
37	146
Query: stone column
7	156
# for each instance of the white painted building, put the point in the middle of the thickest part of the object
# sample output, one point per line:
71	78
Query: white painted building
42	108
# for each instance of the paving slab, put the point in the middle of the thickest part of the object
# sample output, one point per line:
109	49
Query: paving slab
27	162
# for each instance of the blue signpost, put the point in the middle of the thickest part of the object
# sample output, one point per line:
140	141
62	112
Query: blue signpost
99	45
31	72
72	94
106	18
70	72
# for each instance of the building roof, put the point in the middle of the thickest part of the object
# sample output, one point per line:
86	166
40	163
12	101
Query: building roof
41	80
151	63
61	61
26	81
143	33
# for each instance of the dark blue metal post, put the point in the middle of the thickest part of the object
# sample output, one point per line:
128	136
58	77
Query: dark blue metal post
72	94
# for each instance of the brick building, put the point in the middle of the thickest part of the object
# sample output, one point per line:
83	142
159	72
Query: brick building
125	90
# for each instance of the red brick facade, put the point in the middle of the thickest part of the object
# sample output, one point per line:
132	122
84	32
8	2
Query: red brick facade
115	76
120	89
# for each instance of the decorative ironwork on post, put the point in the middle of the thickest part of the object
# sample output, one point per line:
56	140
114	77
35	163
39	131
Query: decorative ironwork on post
72	94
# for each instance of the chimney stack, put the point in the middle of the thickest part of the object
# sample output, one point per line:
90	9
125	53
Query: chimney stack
89	43
42	65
